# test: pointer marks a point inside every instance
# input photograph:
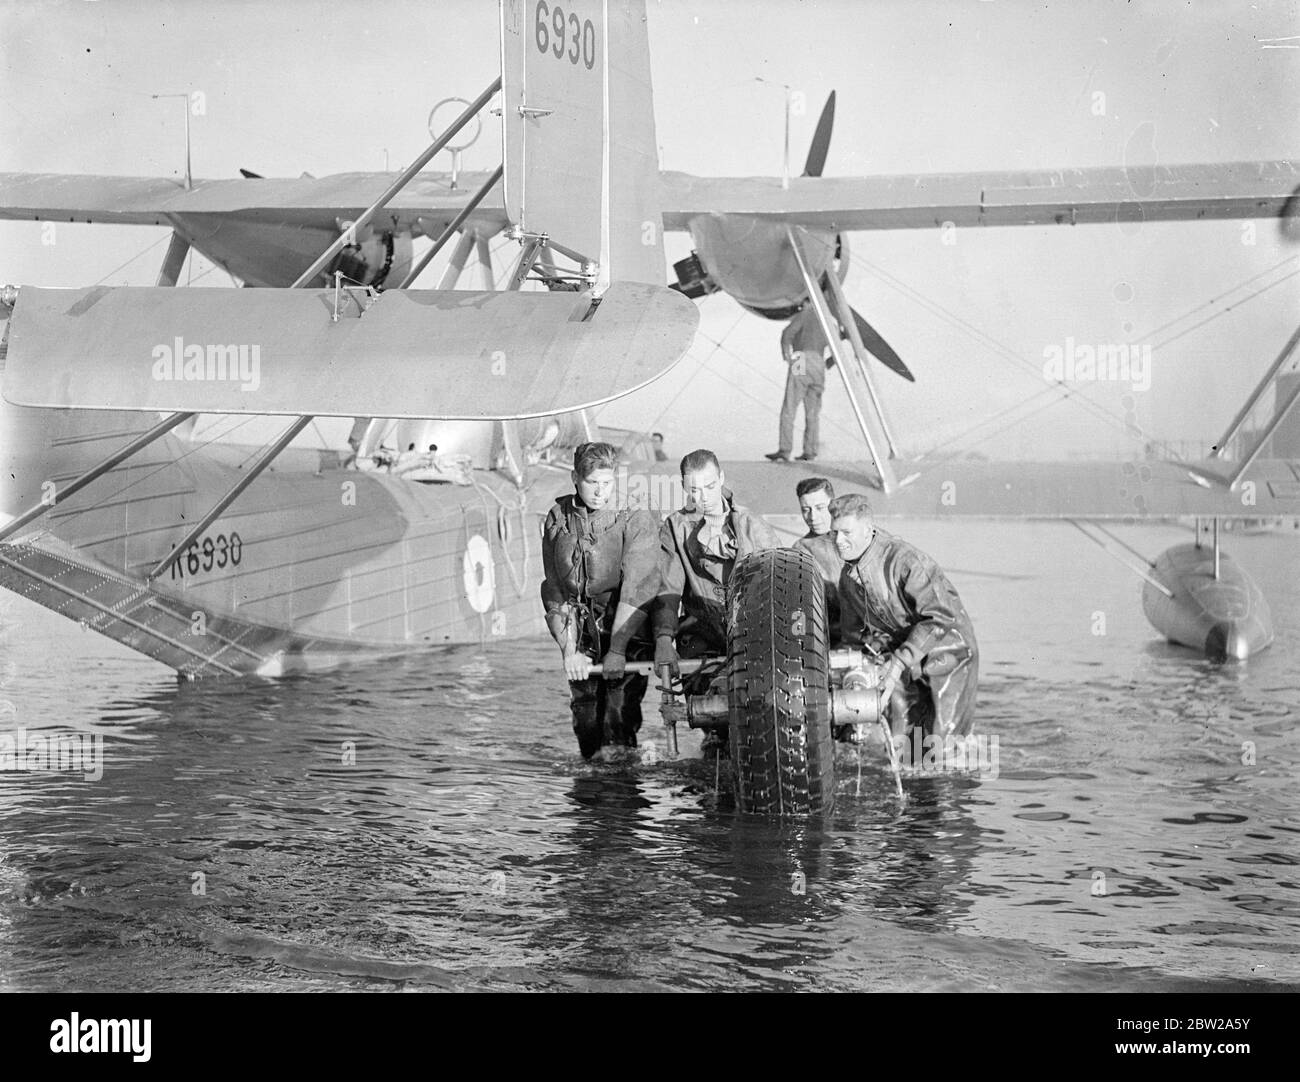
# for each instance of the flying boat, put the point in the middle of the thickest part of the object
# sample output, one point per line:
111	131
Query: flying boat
220	559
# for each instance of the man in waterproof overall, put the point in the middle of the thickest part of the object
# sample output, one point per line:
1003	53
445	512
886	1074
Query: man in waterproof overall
698	547
898	605
814	495
600	578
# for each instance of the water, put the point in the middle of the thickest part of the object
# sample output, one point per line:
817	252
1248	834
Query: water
428	823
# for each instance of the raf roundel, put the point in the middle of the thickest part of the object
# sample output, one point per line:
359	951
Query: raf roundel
480	578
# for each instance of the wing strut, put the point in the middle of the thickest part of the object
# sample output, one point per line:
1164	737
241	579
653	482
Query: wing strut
818	300
348	235
1143	570
268	456
177	249
850	323
484	260
246	479
459	256
139	443
1279	415
452	227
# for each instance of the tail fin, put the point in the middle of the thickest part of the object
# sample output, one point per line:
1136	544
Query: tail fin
578	117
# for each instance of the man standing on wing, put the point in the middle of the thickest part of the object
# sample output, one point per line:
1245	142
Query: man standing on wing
815	495
804	348
898	605
698	547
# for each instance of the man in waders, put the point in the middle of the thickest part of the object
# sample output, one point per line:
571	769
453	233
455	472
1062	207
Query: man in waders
814	495
601	572
898	606
698	547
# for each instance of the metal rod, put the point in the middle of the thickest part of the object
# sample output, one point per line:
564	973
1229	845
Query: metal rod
141	441
527	257
860	352
452	227
402	180
687	666
818	301
264	460
670	732
1120	541
785	167
484	260
1216	548
1278	417
459	256
1141	572
569	253
189	180
177	249
1218	449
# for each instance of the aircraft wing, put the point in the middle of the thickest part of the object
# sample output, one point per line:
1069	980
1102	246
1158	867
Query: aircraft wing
1037	490
1054	197
902	201
426	204
405	353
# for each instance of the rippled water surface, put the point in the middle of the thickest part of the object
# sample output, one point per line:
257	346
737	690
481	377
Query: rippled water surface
1142	832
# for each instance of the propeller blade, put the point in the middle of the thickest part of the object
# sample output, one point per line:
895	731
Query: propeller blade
821	140
880	349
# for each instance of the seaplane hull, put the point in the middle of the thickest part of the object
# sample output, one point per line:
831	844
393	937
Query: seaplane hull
315	564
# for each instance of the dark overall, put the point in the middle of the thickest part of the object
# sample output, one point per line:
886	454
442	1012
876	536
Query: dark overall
691	605
601	577
896	600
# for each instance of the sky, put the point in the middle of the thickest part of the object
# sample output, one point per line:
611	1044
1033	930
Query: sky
922	86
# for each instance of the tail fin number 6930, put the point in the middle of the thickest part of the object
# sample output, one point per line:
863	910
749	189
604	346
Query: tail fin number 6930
564	35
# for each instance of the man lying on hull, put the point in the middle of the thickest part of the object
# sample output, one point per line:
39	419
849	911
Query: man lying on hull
898	605
814	495
698	547
600	577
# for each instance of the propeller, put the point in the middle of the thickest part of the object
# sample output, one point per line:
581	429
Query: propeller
821	140
817	150
879	348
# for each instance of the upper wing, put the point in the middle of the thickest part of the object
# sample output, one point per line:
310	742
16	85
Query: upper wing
905	201
1056	197
423	206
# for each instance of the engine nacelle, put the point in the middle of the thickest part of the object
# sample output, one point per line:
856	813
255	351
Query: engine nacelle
382	259
750	258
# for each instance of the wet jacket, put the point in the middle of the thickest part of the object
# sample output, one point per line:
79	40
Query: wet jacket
697	580
896	599
600	569
821	547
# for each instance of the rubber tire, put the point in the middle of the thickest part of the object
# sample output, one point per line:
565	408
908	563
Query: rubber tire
778	686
